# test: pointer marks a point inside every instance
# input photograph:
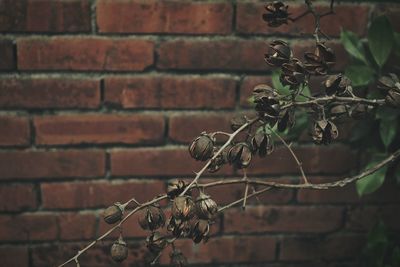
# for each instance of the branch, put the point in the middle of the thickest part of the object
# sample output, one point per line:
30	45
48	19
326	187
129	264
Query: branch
337	99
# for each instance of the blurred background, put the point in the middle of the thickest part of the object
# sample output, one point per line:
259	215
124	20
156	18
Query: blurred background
99	100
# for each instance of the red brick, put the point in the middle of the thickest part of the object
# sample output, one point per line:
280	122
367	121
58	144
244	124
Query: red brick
247	86
249	20
295	219
28	227
77	226
49	93
335	159
250	249
363	218
240	55
81	195
14	256
14	131
170	92
45	16
333	247
156	162
64	53
52	164
184	128
164	17
17	197
99	129
7	54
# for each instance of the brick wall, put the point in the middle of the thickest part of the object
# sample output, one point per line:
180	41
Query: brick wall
99	100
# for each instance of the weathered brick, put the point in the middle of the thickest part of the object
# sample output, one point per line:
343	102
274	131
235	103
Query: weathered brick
14	131
17	197
170	92
81	195
64	53
45	16
247	86
28	227
156	162
49	93
249	20
99	129
7	54
164	17
333	247
77	226
227	54
295	219
14	256
185	127
52	164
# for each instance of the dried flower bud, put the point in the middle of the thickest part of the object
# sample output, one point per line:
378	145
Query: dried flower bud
277	14
113	213
337	84
156	242
320	61
206	208
293	73
324	132
178	259
286	120
183	208
179	228
200	231
237	122
119	250
202	148
267	104
175	187
391	85
262	143
279	53
151	218
240	155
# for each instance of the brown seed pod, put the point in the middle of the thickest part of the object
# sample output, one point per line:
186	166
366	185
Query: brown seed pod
240	155
262	143
339	110
175	187
391	85
151	218
277	14
337	84
202	147
119	250
206	208
393	98
267	103
178	259
279	53
324	132
156	242
200	231
183	208
320	61
293	73
237	122
113	213
286	120
179	228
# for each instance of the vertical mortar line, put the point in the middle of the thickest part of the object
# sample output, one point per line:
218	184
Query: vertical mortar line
107	164
15	57
93	17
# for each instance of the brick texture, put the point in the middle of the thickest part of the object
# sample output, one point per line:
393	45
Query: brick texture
14	131
7	55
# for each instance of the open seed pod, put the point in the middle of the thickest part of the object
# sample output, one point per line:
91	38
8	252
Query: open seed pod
119	250
175	187
200	231
279	53
113	213
320	61
277	14
293	73
262	143
183	208
202	147
156	242
206	208
286	120
237	122
267	103
178	259
240	155
179	228
324	132
391	85
337	84
151	218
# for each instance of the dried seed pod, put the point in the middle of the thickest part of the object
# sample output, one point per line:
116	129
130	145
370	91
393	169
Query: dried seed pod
113	213
277	14
324	132
179	228
337	84
206	208
240	155
200	231
339	110
151	218
178	259
183	208
237	122
388	83
156	242
286	120
293	73
119	250
262	143
279	53
175	187
202	147
267	103
393	98
320	61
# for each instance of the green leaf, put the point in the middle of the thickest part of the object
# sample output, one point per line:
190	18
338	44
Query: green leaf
397	43
305	91
282	90
353	45
387	130
380	39
396	257
372	182
360	75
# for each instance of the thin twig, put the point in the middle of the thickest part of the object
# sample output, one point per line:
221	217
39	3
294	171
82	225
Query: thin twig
335	99
246	190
